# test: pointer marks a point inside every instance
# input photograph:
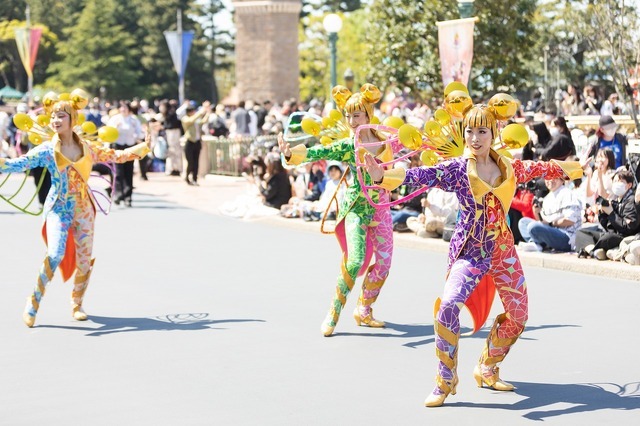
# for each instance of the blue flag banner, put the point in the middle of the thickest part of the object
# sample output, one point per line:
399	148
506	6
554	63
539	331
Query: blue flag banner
179	48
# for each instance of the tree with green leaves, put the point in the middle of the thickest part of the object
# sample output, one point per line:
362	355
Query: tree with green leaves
402	42
97	53
503	45
329	6
315	79
618	46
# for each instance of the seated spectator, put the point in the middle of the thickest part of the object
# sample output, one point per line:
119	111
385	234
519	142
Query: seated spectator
521	206
619	217
439	206
412	208
607	136
313	211
275	188
598	182
558	219
561	145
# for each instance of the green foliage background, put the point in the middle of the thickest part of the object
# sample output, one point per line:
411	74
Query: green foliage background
119	45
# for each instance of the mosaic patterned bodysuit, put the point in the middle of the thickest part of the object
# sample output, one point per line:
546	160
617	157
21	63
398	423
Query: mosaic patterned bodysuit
69	210
482	246
362	230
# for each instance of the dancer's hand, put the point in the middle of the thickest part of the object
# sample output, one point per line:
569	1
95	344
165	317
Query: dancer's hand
147	138
285	149
373	168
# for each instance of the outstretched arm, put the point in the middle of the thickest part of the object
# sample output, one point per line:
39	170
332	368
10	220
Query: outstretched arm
37	157
136	152
528	170
341	150
442	175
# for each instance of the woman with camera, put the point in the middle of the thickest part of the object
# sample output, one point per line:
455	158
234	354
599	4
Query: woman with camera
619	217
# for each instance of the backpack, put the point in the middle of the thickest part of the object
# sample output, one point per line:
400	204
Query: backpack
161	147
218	128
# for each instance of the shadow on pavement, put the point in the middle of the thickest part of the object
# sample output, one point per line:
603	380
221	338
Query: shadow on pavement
407	331
171	322
584	398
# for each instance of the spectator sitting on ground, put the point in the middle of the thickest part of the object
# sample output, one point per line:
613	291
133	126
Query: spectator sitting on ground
558	219
561	145
438	206
276	187
411	208
313	211
521	206
598	182
608	137
307	187
619	217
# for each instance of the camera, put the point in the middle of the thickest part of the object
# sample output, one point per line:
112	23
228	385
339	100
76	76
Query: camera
537	202
603	202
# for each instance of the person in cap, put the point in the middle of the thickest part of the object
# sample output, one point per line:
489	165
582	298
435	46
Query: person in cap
609	137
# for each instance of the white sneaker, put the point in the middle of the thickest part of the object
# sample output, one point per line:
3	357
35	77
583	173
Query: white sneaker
529	246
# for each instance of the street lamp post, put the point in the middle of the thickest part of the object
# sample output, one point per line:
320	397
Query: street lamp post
465	8
332	23
546	78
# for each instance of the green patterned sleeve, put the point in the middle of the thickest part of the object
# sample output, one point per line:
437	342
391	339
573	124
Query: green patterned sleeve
341	150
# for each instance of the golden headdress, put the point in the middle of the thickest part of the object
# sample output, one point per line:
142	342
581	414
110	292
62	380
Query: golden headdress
364	100
70	103
444	133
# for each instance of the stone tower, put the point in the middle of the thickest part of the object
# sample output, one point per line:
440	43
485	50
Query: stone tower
267	49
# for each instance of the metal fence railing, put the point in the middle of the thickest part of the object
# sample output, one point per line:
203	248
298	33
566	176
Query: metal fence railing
227	156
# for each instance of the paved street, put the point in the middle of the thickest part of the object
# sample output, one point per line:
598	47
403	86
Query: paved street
200	319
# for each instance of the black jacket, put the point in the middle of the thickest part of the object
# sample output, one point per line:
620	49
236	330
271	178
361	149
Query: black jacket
278	190
559	148
625	217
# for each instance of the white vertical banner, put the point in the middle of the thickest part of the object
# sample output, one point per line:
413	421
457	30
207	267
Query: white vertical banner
455	42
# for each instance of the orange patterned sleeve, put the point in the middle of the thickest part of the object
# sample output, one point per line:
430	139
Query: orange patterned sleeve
529	170
104	155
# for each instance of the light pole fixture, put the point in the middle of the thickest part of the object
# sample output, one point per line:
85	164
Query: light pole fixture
465	8
332	24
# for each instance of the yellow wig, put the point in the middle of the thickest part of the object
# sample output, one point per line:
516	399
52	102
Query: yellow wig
481	116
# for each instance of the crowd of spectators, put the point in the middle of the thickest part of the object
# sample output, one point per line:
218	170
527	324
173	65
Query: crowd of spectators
596	216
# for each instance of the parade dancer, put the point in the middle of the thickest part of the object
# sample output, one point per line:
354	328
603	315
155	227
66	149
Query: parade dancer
482	255
361	230
70	209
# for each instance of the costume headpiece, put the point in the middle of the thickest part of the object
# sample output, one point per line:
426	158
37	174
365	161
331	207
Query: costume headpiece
70	103
443	135
364	100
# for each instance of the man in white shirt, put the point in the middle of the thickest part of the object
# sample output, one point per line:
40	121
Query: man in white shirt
559	218
129	133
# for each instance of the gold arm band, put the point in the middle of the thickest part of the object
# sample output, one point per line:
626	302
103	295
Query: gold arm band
140	150
298	155
393	178
572	169
2	161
